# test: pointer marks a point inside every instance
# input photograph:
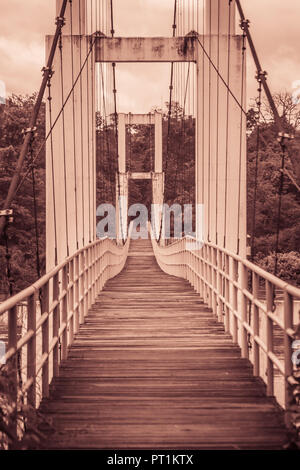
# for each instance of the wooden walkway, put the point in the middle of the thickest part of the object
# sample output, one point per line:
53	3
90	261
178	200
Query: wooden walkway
151	368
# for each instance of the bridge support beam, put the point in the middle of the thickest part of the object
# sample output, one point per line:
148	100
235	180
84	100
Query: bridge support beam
221	133
70	152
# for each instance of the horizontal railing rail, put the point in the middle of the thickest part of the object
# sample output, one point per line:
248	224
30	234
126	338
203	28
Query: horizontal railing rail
242	296
54	307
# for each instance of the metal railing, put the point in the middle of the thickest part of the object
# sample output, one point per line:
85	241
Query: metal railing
55	307
241	295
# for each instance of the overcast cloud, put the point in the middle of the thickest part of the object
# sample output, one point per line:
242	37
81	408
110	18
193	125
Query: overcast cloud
23	25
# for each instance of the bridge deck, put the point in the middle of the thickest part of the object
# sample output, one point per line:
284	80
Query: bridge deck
151	368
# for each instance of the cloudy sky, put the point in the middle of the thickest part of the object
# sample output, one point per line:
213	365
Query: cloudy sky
23	25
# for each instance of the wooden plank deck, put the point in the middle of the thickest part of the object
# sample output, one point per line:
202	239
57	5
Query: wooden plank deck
152	369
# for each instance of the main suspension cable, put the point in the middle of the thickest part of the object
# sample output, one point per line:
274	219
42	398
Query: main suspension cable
35	113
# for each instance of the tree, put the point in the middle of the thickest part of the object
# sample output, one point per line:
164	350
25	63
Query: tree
268	183
289	113
21	234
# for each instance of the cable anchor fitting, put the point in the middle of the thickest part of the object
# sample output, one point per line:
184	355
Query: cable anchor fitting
60	21
261	75
244	25
49	71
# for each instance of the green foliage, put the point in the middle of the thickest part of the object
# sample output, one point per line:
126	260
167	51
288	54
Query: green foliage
22	427
13	119
288	266
268	183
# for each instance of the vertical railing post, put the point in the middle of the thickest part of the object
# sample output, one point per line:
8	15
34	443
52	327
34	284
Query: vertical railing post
31	350
55	326
235	276
227	296
184	255
205	290
85	282
64	313
256	361
198	274
193	267
95	260
99	269
288	351
219	286
101	264
210	292
214	280
270	339
89	278
13	362
77	292
93	273
72	299
188	265
45	340
81	288
244	302
104	263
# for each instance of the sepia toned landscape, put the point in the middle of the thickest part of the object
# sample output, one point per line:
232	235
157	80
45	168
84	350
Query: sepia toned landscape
149	227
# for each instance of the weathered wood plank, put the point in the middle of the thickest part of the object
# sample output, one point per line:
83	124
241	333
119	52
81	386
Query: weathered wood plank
152	368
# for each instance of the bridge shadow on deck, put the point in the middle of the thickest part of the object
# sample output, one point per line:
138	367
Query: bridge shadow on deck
152	368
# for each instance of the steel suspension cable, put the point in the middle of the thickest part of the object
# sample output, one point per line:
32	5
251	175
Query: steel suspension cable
282	135
35	113
116	128
217	126
280	194
81	121
227	121
52	168
74	120
35	207
241	137
259	103
221	77
209	127
174	26
89	133
38	153
60	46
203	98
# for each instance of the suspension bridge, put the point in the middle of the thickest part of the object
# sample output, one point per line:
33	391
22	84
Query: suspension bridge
152	343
